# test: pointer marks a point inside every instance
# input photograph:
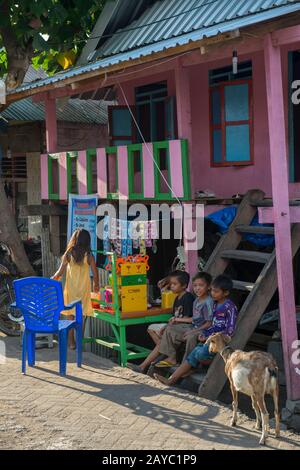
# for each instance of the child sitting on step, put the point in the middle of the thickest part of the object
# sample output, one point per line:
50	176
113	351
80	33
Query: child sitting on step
182	310
185	331
224	321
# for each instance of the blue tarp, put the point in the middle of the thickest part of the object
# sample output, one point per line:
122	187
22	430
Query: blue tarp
224	217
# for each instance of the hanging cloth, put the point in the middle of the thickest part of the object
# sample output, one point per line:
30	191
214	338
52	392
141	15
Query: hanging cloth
142	239
124	236
106	233
129	240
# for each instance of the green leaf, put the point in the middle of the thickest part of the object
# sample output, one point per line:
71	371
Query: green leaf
67	23
39	43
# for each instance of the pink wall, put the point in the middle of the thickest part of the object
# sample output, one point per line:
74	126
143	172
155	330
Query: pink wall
222	181
225	181
129	87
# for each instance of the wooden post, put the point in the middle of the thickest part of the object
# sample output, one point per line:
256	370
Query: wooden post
33	161
81	172
51	125
183	103
148	171
123	172
184	121
101	173
281	212
63	176
51	142
176	165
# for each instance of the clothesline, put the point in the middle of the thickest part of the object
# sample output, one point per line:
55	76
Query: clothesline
126	235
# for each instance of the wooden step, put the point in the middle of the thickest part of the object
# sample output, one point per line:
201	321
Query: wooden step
244	286
190	383
249	316
193	382
255	256
269	203
230	241
255	229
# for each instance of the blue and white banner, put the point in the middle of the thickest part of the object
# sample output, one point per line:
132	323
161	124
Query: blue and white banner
82	214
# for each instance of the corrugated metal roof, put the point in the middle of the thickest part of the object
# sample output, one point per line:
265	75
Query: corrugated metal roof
173	18
214	17
74	110
123	12
33	74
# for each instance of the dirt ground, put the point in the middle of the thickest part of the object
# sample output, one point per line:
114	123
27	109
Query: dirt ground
103	406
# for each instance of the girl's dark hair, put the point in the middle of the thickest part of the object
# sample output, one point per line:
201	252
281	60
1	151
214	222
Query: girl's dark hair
223	282
79	245
203	275
182	276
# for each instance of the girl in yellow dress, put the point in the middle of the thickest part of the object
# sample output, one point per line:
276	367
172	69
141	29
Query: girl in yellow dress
77	261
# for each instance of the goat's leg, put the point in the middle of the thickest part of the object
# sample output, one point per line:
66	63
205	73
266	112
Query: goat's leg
257	412
265	418
276	411
234	404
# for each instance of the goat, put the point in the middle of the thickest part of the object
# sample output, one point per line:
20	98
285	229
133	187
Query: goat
253	373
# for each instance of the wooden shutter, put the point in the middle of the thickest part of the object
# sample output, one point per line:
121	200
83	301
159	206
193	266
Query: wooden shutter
121	125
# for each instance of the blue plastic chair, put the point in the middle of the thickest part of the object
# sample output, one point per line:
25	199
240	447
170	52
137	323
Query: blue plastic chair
41	302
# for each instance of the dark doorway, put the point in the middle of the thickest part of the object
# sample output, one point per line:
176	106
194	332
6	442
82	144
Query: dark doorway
294	120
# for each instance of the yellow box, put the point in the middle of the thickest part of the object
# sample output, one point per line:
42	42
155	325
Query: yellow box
131	269
134	298
167	299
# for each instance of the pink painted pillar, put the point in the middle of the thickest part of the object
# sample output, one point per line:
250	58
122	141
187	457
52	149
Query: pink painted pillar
176	168
184	119
281	212
44	177
63	178
51	125
101	173
183	102
123	172
148	171
81	172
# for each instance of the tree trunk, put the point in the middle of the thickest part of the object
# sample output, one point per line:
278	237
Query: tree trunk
18	56
18	64
9	234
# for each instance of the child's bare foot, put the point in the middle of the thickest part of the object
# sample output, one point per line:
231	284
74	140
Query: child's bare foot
162	379
192	371
72	345
136	368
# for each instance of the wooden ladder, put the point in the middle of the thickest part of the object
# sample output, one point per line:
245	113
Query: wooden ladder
259	293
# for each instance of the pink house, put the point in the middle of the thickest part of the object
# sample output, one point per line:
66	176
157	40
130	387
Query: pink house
188	121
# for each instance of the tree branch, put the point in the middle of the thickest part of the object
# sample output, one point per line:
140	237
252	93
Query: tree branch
18	56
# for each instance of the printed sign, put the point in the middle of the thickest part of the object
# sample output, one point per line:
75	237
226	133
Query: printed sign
82	214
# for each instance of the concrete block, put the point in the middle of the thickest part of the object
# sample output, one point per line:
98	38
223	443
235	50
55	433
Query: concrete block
283	427
293	406
285	415
294	423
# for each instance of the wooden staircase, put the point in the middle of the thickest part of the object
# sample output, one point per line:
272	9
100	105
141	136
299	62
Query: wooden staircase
259	292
